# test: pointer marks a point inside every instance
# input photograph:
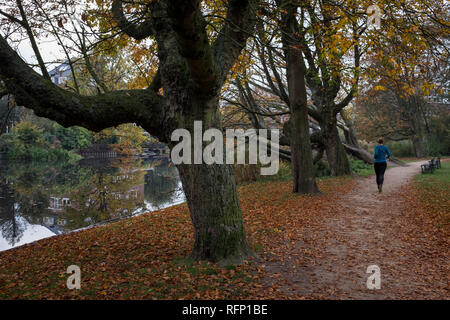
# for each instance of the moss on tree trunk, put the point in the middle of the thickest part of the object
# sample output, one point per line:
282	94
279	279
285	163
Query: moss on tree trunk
215	212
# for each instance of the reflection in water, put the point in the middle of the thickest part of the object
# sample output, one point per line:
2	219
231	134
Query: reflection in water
38	201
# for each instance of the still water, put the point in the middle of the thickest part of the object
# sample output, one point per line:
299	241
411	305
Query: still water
42	200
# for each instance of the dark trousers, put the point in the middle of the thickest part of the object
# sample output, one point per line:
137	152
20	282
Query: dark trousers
380	168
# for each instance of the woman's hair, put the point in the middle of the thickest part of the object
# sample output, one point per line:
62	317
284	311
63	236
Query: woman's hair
380	141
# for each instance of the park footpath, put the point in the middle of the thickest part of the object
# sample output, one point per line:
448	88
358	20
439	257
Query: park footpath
374	236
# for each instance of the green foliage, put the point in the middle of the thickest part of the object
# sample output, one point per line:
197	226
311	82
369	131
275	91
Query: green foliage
438	142
28	142
39	153
322	168
284	173
28	133
73	137
5	141
126	138
401	149
357	167
360	168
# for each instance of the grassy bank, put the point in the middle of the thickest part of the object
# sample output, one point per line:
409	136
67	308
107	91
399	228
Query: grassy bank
433	194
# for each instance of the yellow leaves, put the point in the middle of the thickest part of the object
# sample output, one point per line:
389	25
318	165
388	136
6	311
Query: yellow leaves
407	90
427	88
380	88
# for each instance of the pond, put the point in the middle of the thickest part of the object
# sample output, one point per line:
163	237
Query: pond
42	200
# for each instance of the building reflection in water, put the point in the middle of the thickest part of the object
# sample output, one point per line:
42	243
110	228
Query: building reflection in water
56	199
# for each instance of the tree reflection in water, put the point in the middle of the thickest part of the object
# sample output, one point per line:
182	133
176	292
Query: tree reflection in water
10	227
162	186
64	197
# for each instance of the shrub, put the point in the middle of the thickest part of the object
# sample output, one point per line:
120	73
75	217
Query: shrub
438	142
73	137
28	133
28	142
359	167
322	168
252	172
401	148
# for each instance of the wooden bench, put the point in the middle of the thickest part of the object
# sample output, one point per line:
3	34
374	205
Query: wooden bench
438	162
426	168
434	163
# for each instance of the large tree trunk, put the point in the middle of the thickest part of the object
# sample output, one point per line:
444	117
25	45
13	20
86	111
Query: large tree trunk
351	144
350	137
301	151
349	132
417	146
336	155
417	128
211	194
215	212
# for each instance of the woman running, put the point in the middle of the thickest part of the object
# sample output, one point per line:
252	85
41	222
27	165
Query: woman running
381	153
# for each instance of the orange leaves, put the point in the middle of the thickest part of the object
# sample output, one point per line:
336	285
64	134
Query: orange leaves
143	257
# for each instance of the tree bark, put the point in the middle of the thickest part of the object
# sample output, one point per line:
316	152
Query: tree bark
416	127
359	153
211	195
301	151
417	146
336	155
215	212
349	133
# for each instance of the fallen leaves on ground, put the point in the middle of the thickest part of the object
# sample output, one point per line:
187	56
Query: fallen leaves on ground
144	257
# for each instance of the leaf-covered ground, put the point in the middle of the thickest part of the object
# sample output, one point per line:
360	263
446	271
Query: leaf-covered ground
404	231
307	247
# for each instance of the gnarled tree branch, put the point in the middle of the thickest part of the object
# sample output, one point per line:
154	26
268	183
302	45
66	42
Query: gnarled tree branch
31	90
189	25
240	21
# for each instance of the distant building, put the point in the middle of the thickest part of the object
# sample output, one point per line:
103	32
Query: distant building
57	204
438	99
60	73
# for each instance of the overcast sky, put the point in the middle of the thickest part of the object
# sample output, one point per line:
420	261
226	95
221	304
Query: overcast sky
50	52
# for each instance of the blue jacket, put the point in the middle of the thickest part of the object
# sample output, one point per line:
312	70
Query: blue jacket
380	153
